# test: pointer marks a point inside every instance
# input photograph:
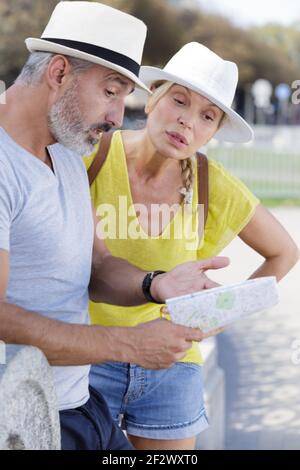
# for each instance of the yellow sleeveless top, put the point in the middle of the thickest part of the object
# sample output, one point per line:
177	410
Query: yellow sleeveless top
231	206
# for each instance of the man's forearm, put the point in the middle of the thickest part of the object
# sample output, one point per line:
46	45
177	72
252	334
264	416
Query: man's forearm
64	343
115	281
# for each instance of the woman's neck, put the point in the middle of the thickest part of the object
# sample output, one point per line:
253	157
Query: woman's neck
144	158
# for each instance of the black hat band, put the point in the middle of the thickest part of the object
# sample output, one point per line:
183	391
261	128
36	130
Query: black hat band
101	52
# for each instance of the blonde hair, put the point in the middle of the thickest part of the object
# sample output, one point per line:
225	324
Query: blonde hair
188	164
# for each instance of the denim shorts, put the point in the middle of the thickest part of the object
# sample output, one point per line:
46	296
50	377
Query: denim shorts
156	404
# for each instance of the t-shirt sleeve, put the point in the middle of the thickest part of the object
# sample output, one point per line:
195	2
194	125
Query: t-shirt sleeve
231	207
6	207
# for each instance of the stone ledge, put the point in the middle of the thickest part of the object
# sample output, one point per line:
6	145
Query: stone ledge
214	396
29	417
28	414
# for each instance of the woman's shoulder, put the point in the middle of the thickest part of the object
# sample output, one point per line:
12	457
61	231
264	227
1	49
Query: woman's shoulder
223	182
217	168
221	176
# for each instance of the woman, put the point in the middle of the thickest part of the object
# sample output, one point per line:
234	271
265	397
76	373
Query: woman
152	168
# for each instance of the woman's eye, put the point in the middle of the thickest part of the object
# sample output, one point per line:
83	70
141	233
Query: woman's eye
208	117
178	101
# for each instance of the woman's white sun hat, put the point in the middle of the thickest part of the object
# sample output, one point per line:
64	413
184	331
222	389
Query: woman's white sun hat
96	33
199	69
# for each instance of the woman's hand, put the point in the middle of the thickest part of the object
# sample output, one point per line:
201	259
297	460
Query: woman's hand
186	278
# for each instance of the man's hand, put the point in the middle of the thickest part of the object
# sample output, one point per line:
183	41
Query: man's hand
165	314
213	332
160	343
186	278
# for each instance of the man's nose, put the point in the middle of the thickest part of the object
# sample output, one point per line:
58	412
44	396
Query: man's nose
115	115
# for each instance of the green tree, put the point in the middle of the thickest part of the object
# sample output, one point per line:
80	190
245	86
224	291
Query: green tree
256	57
20	19
271	52
285	38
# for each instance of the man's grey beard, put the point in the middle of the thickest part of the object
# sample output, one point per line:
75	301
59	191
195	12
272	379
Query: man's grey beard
66	123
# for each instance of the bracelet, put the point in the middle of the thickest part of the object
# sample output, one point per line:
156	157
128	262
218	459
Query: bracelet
146	286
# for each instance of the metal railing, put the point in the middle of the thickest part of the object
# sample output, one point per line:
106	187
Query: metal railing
268	173
270	167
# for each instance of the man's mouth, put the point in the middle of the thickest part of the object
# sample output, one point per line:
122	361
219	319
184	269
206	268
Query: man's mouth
95	133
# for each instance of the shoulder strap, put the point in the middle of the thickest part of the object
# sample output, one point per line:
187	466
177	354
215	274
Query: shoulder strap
100	156
202	167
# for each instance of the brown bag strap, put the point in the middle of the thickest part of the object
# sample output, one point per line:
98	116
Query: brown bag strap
100	156
202	167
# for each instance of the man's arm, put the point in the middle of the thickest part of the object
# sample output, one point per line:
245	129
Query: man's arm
153	345
115	281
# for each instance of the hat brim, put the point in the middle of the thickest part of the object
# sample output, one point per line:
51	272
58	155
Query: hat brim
42	45
235	128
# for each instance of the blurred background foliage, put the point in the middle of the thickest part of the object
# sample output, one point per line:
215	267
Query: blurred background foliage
271	52
18	20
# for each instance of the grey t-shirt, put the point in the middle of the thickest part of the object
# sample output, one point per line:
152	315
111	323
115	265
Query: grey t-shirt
46	225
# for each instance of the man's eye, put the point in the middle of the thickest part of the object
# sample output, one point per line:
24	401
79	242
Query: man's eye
208	117
109	93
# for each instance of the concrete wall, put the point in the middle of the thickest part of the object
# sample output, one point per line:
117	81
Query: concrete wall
214	395
28	411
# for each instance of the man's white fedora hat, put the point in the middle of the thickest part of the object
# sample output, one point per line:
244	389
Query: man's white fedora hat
96	33
198	68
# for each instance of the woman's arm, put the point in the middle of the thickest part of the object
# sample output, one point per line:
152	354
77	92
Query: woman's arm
270	239
116	281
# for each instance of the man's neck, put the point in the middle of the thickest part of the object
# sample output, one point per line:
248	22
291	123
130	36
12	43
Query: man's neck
24	118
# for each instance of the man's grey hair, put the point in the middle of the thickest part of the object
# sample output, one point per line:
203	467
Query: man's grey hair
37	63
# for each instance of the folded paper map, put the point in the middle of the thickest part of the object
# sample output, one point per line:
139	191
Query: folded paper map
220	306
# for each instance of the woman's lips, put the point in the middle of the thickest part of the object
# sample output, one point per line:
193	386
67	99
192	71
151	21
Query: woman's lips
177	139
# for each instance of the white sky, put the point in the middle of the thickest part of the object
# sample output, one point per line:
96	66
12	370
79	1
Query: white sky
255	12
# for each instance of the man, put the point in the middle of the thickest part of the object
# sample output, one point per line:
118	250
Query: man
73	88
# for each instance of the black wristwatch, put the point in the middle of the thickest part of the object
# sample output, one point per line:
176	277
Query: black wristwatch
147	285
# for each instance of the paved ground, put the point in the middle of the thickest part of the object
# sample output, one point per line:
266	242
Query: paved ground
262	382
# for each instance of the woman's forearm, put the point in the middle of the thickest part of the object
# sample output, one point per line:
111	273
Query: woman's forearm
277	266
115	281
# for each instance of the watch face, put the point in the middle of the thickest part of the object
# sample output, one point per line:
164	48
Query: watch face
147	285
